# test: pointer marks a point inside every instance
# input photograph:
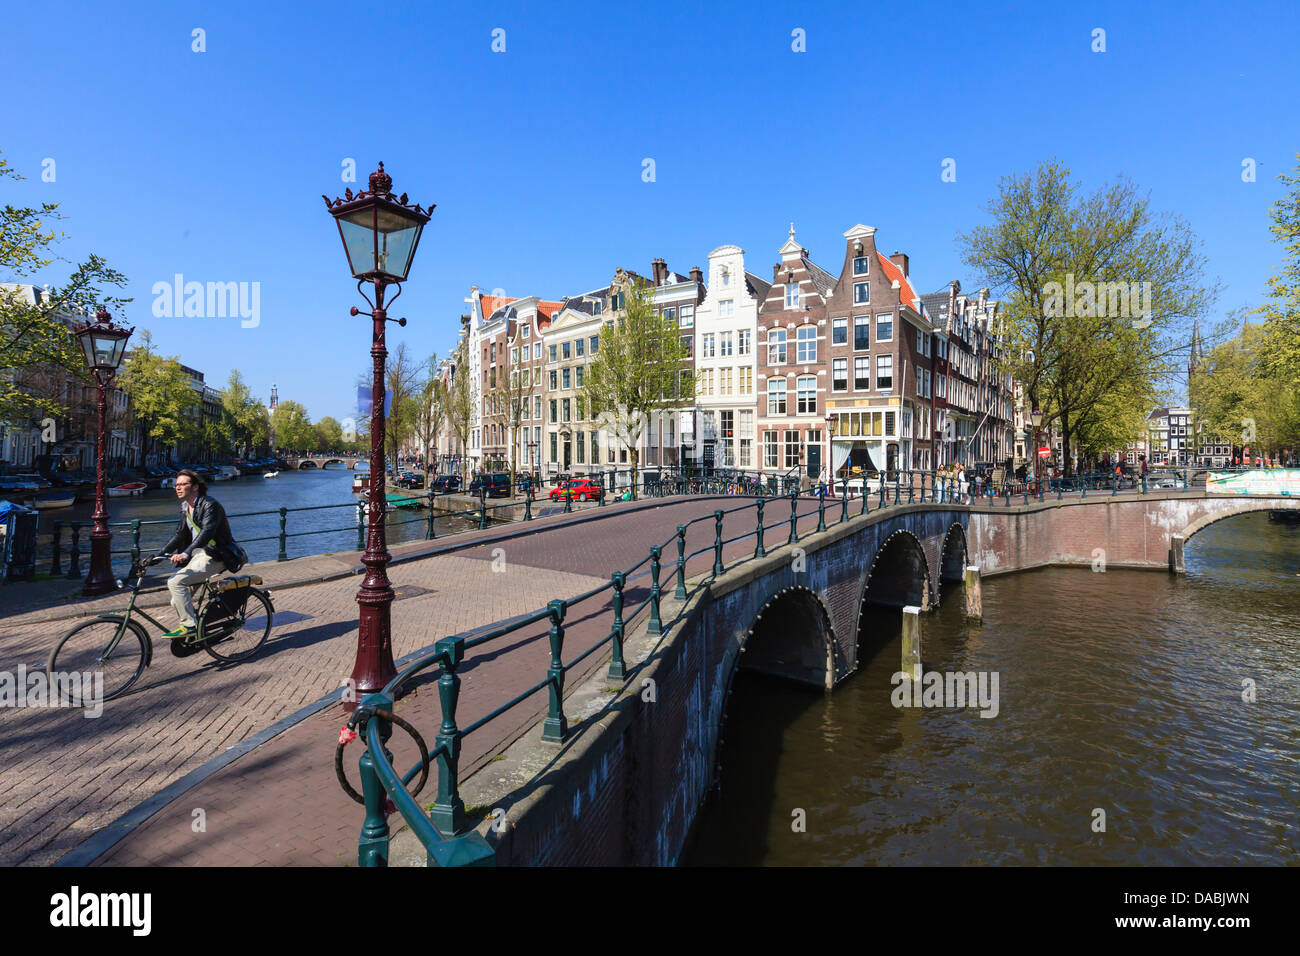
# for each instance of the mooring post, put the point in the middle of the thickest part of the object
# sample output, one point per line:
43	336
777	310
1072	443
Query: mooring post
974	594
1176	555
912	642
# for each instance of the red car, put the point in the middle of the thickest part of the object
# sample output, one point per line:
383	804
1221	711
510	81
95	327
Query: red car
583	489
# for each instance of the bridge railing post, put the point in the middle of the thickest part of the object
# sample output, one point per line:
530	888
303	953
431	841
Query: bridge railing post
759	550
74	554
794	516
680	593
600	497
56	551
882	489
428	530
844	497
897	478
361	525
372	847
135	540
718	567
654	626
482	506
556	727
448	810
528	504
284	554
617	668
911	487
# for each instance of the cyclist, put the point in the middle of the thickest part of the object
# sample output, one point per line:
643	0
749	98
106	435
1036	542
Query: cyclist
201	547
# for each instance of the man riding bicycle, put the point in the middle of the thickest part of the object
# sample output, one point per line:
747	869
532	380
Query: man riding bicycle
202	547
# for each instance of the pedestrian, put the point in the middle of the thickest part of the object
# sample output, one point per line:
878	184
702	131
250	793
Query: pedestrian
201	547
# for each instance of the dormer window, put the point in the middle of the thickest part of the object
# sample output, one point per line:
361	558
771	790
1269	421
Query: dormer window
792	295
599	307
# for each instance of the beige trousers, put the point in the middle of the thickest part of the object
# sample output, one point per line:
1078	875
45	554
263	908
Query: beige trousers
181	584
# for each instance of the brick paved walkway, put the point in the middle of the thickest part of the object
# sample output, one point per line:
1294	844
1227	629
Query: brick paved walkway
62	776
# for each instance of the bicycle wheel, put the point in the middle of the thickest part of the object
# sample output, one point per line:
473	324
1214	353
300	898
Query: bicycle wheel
91	648
238	636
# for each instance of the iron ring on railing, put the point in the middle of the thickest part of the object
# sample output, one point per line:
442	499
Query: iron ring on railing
359	716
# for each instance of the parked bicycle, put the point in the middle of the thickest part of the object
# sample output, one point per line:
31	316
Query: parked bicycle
234	622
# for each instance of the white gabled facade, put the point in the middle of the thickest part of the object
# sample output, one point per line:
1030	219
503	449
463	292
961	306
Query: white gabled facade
724	336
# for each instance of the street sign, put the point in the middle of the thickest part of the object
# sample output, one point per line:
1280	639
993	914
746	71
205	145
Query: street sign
1044	452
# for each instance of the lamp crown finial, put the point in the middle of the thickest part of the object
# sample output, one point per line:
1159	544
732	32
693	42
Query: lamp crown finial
380	182
103	317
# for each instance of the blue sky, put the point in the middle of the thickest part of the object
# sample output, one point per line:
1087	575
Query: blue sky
212	164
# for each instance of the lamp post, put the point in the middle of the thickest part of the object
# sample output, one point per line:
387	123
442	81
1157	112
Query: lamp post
830	454
1036	418
102	344
380	234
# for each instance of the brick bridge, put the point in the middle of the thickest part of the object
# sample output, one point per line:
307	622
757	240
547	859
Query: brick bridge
633	777
350	462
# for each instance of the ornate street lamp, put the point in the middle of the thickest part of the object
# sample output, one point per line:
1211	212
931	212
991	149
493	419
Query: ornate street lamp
1036	419
102	344
380	234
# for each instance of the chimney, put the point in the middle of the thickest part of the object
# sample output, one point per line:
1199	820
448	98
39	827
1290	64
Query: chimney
697	275
900	259
659	269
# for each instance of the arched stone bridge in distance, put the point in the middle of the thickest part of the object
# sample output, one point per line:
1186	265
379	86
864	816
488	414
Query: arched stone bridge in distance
799	613
350	462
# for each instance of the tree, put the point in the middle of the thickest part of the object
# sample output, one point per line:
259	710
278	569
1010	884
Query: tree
35	335
431	411
461	400
293	428
638	370
1280	348
329	435
1097	292
161	394
402	379
244	417
516	396
1240	402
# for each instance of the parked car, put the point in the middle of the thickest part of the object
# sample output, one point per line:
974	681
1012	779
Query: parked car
583	489
497	484
446	483
409	479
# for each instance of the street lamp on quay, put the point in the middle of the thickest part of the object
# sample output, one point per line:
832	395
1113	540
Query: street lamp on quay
1036	419
102	344
380	234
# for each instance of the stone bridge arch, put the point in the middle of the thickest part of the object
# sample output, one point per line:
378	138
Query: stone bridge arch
1239	506
791	637
953	558
898	577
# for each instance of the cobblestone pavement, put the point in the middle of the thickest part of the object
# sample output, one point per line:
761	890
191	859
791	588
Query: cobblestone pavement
63	776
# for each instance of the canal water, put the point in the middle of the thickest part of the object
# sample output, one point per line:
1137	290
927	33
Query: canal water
241	497
1119	692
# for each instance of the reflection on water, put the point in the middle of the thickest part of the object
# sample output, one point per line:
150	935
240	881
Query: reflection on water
334	528
1119	691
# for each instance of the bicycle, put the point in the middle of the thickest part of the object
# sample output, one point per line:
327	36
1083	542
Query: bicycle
233	623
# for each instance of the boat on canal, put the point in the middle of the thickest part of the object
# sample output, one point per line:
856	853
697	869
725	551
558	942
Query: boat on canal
55	498
127	489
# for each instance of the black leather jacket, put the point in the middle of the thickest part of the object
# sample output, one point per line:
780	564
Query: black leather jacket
214	535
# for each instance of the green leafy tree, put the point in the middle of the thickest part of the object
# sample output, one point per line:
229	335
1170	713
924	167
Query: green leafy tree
35	337
638	371
1280	348
460	402
329	435
164	401
244	418
403	383
293	428
1239	400
431	411
1098	292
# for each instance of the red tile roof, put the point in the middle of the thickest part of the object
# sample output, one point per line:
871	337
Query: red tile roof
490	303
905	292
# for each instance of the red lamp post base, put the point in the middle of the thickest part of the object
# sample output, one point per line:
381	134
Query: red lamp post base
100	579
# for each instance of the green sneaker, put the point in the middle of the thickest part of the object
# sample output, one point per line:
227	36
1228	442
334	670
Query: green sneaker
181	632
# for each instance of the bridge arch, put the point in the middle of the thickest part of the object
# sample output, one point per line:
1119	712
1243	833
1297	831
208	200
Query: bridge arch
307	464
899	577
953	558
1238	507
792	637
333	461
